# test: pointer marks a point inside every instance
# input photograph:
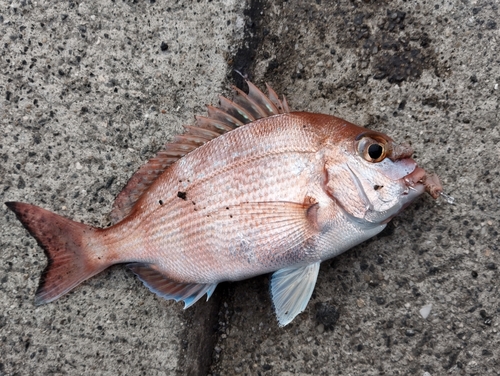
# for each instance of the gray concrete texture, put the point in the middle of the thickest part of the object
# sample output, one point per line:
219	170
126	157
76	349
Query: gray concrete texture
90	90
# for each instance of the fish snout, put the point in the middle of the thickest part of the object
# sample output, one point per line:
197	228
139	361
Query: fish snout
399	151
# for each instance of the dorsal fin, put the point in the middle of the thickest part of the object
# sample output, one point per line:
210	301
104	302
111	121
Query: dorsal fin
229	115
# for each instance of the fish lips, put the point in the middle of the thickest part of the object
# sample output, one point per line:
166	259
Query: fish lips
430	182
415	180
416	185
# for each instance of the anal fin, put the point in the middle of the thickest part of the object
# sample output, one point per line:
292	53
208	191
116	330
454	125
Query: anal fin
291	289
168	289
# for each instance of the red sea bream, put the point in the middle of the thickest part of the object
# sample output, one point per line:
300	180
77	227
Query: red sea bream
251	188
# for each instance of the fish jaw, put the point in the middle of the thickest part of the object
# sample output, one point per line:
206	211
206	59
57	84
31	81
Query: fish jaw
430	183
416	184
410	194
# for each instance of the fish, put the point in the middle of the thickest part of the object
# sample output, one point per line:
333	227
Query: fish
251	188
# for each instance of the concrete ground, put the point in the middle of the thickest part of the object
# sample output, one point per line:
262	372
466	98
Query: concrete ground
90	90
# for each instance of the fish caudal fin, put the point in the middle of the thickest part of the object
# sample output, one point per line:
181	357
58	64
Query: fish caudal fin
65	243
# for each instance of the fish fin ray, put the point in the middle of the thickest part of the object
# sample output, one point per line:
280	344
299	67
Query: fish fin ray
249	104
291	290
211	290
201	135
168	289
242	113
227	116
263	101
286	107
219	123
65	244
281	225
282	106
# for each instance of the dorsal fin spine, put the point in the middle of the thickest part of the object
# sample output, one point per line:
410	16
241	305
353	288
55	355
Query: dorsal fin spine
235	110
257	111
261	98
274	98
215	125
219	114
286	109
200	132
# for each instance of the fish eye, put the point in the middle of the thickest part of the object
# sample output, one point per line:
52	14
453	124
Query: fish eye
375	151
372	150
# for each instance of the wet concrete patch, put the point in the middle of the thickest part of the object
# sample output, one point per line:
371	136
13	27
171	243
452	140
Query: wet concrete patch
386	42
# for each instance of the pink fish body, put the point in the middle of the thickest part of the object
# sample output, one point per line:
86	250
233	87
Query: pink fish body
251	189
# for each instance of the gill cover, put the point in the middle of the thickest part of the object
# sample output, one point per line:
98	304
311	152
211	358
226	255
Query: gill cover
367	179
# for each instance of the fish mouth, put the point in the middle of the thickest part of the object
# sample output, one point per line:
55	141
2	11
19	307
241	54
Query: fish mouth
419	181
416	184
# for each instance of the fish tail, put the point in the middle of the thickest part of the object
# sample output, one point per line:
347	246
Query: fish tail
72	254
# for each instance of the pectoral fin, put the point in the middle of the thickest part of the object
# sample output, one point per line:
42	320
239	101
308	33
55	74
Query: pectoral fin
280	225
162	286
291	289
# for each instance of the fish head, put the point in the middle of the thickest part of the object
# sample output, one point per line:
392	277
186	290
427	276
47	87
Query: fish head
373	178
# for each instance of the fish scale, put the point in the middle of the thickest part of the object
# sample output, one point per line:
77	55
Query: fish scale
252	188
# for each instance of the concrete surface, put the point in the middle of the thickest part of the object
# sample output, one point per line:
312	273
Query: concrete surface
89	91
428	73
87	95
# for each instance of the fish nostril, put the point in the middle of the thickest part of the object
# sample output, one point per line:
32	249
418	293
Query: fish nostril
377	187
400	151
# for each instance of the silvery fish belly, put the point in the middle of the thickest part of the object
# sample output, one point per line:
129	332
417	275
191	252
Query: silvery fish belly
251	188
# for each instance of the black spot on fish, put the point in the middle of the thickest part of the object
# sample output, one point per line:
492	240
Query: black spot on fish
377	187
182	195
160	202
